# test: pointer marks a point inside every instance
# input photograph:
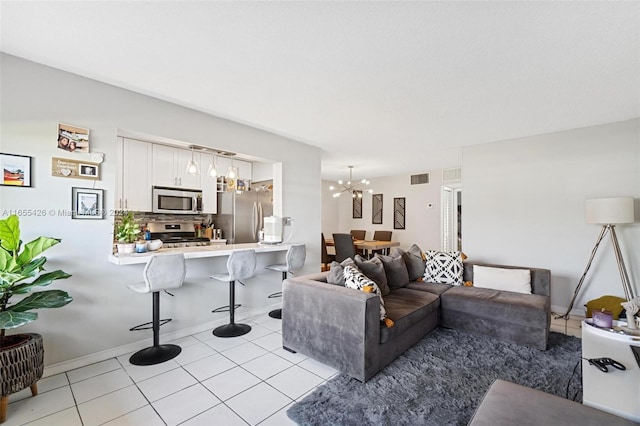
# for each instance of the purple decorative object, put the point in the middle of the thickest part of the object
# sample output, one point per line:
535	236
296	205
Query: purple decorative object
603	319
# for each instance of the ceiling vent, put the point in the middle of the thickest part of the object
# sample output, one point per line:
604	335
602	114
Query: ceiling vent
452	175
420	179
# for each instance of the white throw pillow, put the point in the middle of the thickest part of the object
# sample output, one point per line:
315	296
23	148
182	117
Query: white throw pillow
516	280
443	267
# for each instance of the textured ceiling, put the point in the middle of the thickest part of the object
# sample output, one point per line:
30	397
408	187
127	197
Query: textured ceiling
390	87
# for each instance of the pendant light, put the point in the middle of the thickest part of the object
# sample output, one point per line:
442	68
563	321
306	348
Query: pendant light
192	166
212	172
354	189
232	173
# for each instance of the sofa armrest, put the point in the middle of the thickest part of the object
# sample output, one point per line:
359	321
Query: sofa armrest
335	325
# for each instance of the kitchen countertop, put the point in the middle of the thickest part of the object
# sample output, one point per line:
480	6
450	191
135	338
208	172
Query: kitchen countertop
213	250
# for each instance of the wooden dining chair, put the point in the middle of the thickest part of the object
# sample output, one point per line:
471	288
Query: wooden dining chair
358	234
381	236
326	257
344	246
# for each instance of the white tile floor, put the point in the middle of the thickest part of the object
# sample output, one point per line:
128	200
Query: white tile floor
246	380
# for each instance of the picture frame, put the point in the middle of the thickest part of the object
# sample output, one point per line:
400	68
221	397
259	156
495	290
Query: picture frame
16	170
73	138
357	205
87	203
376	209
88	170
399	206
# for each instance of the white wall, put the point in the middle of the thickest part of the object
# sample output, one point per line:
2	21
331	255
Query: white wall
35	99
524	205
422	225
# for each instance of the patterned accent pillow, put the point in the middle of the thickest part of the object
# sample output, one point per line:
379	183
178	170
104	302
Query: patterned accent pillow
443	267
355	279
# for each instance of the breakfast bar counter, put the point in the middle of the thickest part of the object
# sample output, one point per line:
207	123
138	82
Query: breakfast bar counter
215	250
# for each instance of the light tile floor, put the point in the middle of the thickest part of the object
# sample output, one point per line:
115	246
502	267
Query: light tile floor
246	380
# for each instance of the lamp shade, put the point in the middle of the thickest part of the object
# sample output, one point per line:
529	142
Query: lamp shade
609	210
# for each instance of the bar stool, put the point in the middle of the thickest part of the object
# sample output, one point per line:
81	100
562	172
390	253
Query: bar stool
162	272
296	256
241	265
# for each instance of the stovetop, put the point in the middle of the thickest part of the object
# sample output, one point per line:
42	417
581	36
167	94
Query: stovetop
177	234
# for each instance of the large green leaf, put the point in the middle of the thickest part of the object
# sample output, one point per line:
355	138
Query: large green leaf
42	299
32	268
34	248
10	319
41	281
10	278
10	233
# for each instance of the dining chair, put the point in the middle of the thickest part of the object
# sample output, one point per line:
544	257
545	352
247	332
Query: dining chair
381	236
358	234
326	257
344	246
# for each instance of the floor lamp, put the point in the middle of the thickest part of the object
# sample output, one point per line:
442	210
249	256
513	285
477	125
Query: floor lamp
607	212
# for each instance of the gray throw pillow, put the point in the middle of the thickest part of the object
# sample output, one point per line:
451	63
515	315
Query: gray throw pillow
395	270
415	261
336	273
374	270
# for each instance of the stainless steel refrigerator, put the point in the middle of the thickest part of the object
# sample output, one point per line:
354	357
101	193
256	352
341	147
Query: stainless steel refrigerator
240	214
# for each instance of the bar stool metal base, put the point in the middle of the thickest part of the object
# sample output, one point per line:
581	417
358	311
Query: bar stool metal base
155	354
276	313
232	330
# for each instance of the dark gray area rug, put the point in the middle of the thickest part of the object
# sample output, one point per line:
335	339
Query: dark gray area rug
441	381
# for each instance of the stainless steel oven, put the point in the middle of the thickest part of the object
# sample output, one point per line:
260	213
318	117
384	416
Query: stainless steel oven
176	200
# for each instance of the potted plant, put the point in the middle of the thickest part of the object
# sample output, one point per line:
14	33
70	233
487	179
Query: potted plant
22	355
127	231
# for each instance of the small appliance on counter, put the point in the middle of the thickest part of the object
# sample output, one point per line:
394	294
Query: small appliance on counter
177	234
272	232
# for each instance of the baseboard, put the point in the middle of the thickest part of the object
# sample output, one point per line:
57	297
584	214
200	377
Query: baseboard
83	361
560	310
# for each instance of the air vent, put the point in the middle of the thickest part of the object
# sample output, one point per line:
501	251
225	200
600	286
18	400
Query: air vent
452	175
420	179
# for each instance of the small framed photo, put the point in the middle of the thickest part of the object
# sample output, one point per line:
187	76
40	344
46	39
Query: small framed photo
86	203
88	170
16	170
73	138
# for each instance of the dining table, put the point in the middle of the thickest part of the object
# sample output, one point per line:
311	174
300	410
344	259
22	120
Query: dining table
368	246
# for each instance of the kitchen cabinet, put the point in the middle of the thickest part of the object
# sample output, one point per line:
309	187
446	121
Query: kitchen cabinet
170	164
208	185
133	180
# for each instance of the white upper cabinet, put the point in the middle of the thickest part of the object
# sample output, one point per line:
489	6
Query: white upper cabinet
133	188
169	167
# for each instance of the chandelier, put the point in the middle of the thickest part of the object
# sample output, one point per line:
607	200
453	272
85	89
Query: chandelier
350	187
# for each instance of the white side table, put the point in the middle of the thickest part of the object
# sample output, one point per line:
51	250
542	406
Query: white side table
617	391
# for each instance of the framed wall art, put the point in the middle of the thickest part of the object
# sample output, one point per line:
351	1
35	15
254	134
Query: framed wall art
73	138
376	209
16	170
357	205
86	203
398	213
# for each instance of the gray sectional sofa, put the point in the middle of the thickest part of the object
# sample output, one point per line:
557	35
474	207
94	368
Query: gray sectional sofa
341	327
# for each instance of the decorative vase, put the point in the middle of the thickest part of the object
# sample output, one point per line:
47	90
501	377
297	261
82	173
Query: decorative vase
21	366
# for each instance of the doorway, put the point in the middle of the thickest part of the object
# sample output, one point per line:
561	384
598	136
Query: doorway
451	218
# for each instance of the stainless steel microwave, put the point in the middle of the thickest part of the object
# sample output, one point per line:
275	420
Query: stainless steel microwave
176	200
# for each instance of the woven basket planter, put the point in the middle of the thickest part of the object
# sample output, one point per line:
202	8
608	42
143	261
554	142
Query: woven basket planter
21	365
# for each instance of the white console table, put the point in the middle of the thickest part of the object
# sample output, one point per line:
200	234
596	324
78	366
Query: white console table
616	391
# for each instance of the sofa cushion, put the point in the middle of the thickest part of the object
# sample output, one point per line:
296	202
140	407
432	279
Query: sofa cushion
374	269
414	260
407	307
355	279
395	270
336	273
434	288
443	267
517	280
517	308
